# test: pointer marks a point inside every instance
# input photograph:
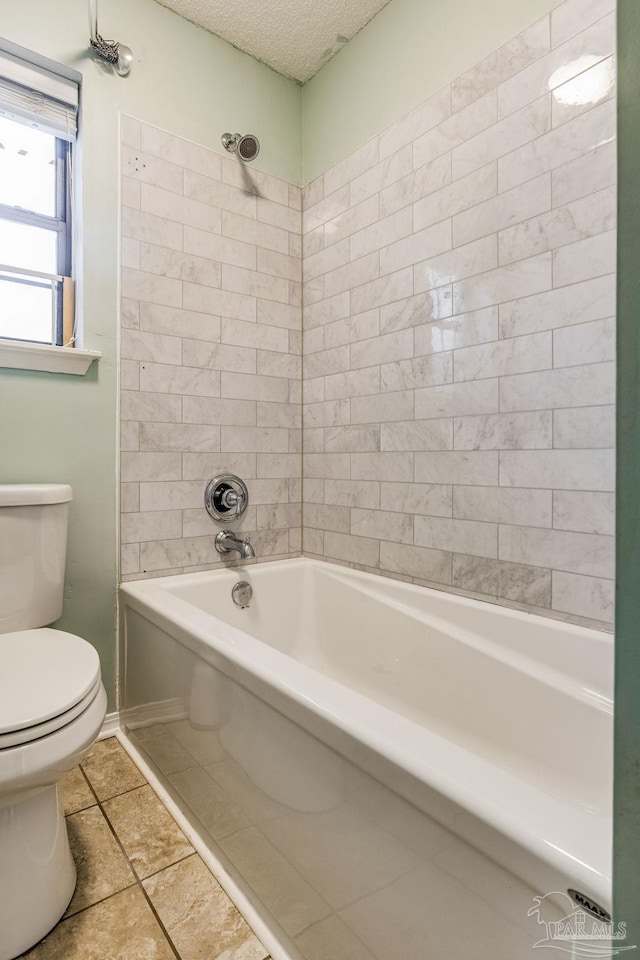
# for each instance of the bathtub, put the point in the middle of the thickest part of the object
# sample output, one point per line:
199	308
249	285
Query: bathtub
387	772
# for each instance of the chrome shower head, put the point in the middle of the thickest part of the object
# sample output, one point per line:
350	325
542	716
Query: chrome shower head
247	147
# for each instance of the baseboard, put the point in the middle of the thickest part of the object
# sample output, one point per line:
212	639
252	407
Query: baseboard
110	726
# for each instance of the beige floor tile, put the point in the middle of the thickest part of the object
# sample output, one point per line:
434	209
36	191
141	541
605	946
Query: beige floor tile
75	792
149	835
199	917
121	928
102	868
109	769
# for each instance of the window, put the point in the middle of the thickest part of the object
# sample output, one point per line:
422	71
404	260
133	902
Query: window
38	113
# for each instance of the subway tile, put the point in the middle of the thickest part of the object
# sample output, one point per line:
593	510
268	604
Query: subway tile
470	260
279	364
222	303
163	525
153	347
278	214
381	349
354	383
459	128
420	245
428	115
502	138
240	386
325	260
464	330
376	293
351	221
382	408
584	427
425	371
564	387
173	321
504	431
379	525
428	499
287	415
424	180
509	59
206	410
326	362
129	375
138	165
241	333
279	265
333	465
359	326
574	15
584	553
325	210
510	282
382	466
416	562
276	314
150	228
218	356
478	468
585	259
504	357
581	302
417	435
135	467
359	438
313	192
129	558
251	231
166	378
174	495
508	505
380	234
352	275
329	310
235	439
585	343
254	284
203	466
356	163
584	512
388	171
559	146
524	584
327	413
581	596
351	493
129	314
327	517
218	195
578	220
560	65
218	248
179	437
459	536
499	213
138	285
360	550
185	552
585	175
567	100
558	469
135	405
129	435
183	210
130	253
184	153
457	399
277	516
130	193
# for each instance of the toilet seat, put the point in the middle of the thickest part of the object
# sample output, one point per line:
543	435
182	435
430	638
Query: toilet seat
47	678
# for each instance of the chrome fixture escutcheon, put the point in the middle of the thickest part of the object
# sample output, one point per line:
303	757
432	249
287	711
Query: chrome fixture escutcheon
226	498
241	594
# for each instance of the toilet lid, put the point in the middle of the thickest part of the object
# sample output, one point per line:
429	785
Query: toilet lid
44	674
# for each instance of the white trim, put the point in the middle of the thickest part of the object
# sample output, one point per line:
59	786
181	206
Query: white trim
42	356
265	935
110	727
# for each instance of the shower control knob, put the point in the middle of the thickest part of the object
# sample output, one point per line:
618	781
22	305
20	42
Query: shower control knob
226	498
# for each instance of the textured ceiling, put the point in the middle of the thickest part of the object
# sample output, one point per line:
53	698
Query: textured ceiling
295	37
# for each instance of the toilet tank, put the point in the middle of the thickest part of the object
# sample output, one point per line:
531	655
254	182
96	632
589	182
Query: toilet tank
33	546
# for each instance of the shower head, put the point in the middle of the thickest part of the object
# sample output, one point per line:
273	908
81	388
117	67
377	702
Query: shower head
247	147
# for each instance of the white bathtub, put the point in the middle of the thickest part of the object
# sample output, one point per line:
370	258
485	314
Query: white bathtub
388	772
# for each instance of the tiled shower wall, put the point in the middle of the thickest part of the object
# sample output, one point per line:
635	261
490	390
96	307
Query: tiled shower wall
459	333
211	347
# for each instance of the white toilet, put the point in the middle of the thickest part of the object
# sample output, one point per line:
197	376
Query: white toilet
52	705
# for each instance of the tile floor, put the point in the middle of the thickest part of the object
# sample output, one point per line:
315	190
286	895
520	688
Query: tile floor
143	893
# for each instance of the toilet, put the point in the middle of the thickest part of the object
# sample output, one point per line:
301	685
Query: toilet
52	706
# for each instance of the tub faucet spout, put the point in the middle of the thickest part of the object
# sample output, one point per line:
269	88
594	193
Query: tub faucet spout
228	542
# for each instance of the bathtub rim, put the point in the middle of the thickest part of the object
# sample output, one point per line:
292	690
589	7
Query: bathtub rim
544	826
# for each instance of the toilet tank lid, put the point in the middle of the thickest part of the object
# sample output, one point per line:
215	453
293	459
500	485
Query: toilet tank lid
30	494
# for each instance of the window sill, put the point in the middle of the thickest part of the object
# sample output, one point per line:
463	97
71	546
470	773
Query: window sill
40	356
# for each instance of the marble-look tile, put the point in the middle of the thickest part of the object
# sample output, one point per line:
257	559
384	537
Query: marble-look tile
75	792
361	550
418	562
558	469
499	213
583	596
464	330
198	916
584	511
585	175
564	387
584	427
102	868
426	371
434	500
502	138
510	282
388	171
460	536
585	343
504	357
585	259
579	303
504	431
417	435
567	100
477	467
428	115
122	926
457	399
503	505
380	525
588	554
170	321
574	15
150	837
431	176
458	129
453	198
351	493
153	525
109	769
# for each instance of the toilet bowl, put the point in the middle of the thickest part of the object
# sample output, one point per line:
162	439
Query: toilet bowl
52	706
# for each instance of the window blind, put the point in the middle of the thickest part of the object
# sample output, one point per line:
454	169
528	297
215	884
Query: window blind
38	98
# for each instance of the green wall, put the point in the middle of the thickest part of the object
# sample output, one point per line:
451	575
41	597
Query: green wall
63	428
405	54
627	728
